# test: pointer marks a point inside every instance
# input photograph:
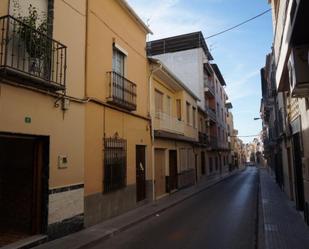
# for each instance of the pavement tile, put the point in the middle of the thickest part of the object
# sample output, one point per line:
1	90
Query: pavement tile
283	227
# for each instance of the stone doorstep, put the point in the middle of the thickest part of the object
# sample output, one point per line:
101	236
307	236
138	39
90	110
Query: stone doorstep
27	243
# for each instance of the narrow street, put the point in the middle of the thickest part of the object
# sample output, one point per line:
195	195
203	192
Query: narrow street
221	217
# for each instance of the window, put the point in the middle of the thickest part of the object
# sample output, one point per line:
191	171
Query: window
118	61
178	106
115	164
158	102
168	105
194	117
188	112
210	165
222	114
217	163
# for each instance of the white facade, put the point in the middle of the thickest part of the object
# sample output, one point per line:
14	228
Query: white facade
188	66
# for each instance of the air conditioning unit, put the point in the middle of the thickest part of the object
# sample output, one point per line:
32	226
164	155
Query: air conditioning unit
298	68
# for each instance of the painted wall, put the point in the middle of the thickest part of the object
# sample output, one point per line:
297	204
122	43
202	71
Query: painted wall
281	39
108	23
221	112
188	66
65	129
4	7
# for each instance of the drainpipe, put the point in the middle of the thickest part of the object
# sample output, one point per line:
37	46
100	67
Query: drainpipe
151	127
86	50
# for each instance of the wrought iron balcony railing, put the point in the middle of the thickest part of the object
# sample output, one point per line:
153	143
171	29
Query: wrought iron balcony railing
213	142
209	88
203	138
211	113
30	57
122	92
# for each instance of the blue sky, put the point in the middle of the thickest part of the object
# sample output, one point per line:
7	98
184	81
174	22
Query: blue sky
240	53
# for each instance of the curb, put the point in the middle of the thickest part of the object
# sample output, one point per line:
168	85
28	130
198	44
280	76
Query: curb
260	223
135	222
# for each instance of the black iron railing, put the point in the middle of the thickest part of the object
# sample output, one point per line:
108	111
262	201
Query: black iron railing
209	87
30	56
203	138
122	92
211	113
213	142
115	164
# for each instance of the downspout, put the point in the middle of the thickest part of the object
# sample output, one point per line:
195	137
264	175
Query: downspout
151	127
86	51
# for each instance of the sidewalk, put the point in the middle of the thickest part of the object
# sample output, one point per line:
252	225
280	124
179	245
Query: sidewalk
95	234
280	226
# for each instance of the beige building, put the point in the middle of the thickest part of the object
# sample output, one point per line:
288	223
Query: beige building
232	140
118	139
174	122
41	119
189	58
285	87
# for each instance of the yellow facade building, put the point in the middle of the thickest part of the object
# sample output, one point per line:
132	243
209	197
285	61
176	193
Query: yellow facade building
117	121
174	120
41	119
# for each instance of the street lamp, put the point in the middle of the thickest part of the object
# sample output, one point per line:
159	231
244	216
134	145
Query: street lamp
257	118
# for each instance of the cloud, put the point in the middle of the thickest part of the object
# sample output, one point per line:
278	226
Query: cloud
241	86
171	17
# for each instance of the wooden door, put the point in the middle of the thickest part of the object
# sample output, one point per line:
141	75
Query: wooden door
195	163
172	170
21	185
140	172
160	185
203	166
298	173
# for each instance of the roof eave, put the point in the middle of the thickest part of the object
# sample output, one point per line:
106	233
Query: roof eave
131	11
174	77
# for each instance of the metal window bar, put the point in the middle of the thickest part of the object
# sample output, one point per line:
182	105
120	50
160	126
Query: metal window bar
115	164
29	53
122	92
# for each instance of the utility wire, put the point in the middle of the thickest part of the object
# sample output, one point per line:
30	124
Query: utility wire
247	136
238	25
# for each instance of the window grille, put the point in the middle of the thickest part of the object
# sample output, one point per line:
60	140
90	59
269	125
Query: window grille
115	164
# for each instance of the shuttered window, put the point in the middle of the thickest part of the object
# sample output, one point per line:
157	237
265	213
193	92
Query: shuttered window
158	101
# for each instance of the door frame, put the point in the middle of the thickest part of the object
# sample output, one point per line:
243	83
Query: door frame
163	150
170	169
143	182
40	222
298	173
203	163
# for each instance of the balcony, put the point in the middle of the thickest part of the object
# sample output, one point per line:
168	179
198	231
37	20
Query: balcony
30	57
211	113
122	92
203	138
213	142
209	89
168	123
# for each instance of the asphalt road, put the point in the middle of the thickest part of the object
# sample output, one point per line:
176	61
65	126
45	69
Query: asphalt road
221	217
